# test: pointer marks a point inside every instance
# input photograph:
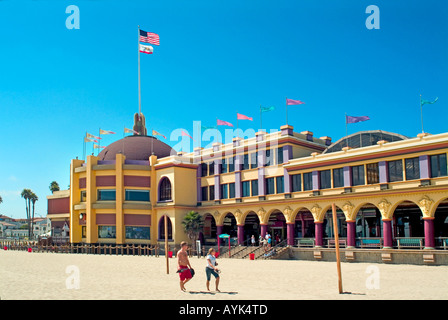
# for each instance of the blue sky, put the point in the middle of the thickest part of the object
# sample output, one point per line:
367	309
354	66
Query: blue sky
216	58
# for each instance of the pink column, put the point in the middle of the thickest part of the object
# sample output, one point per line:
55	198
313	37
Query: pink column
387	234
264	229
319	234
240	234
218	232
429	233
290	233
351	234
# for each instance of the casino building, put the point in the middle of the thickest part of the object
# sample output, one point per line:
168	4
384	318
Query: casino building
390	191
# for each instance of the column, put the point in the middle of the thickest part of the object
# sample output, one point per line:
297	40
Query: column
382	168
387	234
290	233
347	177
319	234
287	155
264	229
424	167
429	233
351	234
218	232
240	234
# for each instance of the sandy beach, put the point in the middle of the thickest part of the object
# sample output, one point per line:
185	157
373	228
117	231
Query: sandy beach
25	275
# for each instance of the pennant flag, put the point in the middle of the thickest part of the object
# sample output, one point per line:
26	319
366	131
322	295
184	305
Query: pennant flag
349	119
126	130
266	109
106	132
223	123
290	102
243	117
149	37
428	102
88	135
155	133
186	134
90	140
145	49
98	147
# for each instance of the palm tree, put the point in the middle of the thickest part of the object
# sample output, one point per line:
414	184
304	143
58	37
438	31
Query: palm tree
33	199
54	186
26	194
193	224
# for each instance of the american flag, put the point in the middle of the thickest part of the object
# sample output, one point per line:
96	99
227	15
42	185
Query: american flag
149	37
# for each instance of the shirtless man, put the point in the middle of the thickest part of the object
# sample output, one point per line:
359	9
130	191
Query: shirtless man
183	265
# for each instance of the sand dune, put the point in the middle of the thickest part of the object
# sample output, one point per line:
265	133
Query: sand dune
26	275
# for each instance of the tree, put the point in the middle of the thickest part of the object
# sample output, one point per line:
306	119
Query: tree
26	194
54	186
33	199
193	223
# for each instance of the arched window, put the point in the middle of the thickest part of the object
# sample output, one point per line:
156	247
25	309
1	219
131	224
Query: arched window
162	228
165	189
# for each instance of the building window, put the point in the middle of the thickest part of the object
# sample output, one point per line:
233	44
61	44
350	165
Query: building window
231	164
165	189
395	170
358	175
136	195
83	196
296	180
106	232
162	228
338	178
224	165
211	168
211	193
325	179
231	190
373	173
279	181
308	181
270	186
246	164
253	160
254	187
224	191
106	195
246	188
412	168
280	155
204	194
204	169
137	233
438	165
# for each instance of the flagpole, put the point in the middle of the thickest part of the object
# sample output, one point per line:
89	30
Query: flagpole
421	112
346	131
260	118
99	141
139	89
286	110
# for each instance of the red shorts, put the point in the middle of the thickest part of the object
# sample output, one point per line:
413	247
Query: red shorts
186	274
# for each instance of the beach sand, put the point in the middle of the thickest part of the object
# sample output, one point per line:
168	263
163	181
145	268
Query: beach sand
25	275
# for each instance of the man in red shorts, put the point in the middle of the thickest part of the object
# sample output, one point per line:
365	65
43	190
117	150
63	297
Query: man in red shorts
183	265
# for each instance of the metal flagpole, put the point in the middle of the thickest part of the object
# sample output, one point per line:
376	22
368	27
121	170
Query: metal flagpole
260	118
286	110
346	131
421	112
139	91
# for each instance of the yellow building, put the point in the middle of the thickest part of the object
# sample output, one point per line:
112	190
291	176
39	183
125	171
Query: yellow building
391	191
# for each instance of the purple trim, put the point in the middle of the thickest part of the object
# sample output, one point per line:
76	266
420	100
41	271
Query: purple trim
138	162
217	188
318	229
238	184
315	176
137	219
105	219
263	230
286	181
137	181
106	162
382	167
347	177
287	153
240	234
238	162
351	233
290	233
424	167
261	155
429	234
287	131
261	183
199	189
387	234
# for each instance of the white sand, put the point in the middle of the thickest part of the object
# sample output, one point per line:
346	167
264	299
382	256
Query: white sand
26	275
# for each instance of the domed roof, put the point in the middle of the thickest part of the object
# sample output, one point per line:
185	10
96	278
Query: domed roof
136	147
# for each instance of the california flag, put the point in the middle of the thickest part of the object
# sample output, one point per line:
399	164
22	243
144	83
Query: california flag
145	49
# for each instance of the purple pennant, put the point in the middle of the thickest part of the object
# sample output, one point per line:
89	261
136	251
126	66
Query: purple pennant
350	119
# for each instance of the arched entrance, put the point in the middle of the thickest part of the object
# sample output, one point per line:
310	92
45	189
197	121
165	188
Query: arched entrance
408	222
441	224
277	226
368	222
208	234
251	227
161	229
304	224
328	228
229	225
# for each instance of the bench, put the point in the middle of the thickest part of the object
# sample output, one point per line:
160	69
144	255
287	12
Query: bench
410	243
371	243
332	243
305	242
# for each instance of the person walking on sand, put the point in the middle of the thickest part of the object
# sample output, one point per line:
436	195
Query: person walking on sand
211	269
183	265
